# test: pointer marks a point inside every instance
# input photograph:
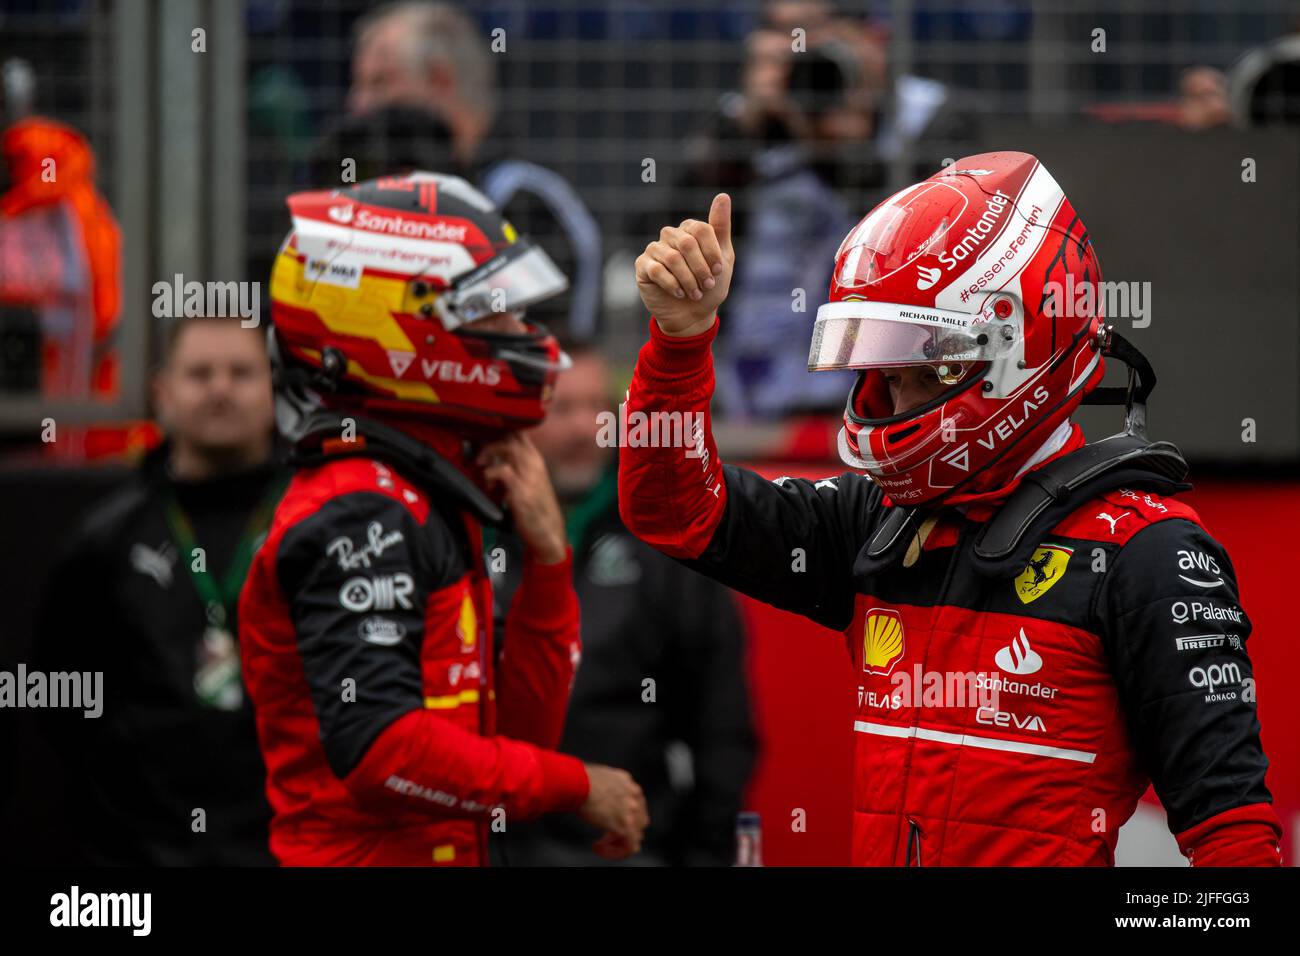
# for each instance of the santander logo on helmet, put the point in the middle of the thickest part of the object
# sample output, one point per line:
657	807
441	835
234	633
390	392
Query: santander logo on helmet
956	273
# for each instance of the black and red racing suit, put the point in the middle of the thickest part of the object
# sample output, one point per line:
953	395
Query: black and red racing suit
390	734
1118	655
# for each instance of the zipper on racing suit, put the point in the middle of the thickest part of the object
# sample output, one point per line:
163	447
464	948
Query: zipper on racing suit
913	840
914	833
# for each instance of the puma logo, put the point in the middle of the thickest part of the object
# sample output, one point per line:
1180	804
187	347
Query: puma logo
1112	521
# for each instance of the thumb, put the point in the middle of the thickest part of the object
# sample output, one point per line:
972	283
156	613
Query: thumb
720	220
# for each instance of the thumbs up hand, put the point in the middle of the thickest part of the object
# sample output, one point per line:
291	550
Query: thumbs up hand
685	275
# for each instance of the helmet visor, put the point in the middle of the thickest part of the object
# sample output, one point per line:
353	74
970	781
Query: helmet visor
882	334
518	276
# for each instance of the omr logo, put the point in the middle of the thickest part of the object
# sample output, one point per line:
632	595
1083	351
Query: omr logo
927	277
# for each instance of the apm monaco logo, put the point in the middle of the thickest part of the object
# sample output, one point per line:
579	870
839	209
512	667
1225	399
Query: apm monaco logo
1214	678
1019	657
927	277
882	641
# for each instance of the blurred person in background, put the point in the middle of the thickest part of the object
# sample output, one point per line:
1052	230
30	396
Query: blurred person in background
60	264
1203	99
147	593
430	57
1264	85
406	370
644	617
388	141
811	134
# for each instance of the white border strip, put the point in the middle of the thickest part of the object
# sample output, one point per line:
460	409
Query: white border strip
972	740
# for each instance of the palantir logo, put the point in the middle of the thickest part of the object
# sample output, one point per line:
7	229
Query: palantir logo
927	277
1018	657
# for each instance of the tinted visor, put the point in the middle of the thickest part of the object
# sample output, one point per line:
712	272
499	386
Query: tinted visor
882	334
518	276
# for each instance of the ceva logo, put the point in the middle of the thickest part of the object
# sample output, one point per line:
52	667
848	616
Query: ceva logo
1018	657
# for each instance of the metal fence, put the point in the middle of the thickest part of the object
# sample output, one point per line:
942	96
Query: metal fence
197	154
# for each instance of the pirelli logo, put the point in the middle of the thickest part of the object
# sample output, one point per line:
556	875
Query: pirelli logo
1201	642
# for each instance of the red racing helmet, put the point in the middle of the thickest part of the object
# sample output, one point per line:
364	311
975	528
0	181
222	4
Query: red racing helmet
985	273
373	296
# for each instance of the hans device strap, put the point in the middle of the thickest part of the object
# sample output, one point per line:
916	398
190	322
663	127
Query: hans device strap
426	467
1046	495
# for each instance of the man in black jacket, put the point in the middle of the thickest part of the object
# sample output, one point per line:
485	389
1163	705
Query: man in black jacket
431	57
146	593
661	690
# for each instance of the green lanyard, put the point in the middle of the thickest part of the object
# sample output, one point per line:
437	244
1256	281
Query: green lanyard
220	596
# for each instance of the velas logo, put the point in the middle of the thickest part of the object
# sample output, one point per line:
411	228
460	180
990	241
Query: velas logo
1044	569
882	640
1019	657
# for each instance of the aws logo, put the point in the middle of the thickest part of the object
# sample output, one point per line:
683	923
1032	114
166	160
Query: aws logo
882	641
1044	569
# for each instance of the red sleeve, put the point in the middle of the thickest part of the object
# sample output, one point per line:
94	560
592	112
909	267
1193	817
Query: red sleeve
671	497
540	654
421	759
1243	836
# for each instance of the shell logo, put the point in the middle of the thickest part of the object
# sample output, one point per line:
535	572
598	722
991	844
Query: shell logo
467	625
882	640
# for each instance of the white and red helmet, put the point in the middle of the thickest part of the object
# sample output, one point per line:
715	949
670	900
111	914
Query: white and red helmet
979	271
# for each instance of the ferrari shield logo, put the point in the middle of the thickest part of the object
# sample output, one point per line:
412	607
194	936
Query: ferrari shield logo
882	640
1045	568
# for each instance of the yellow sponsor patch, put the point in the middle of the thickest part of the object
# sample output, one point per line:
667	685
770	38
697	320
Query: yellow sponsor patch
467	626
1045	568
882	640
